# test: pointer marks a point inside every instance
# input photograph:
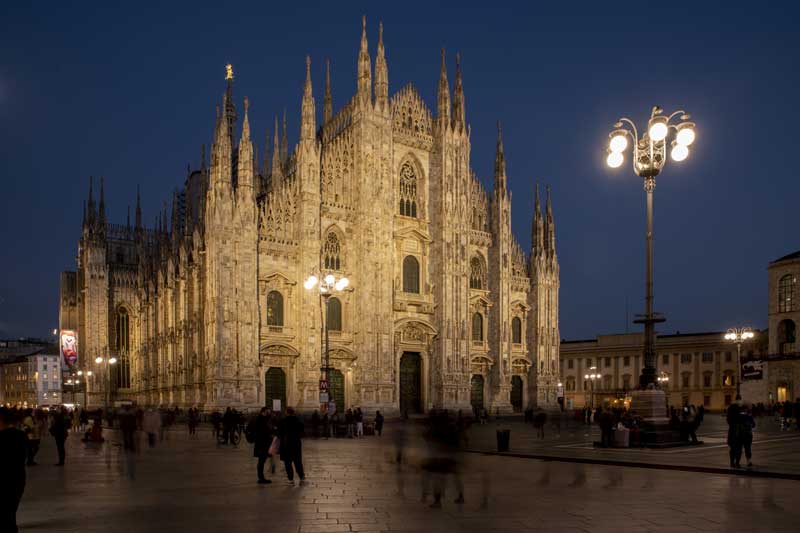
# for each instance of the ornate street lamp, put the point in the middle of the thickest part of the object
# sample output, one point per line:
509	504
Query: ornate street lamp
739	335
592	377
109	362
327	286
649	159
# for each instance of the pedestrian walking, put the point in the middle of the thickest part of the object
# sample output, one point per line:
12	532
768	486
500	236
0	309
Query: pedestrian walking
30	425
315	424
349	419
59	429
539	421
326	425
13	444
193	418
378	423
735	430
261	432
290	432
151	423
748	425
359	418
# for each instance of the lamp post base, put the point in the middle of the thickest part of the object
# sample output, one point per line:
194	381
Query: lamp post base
651	405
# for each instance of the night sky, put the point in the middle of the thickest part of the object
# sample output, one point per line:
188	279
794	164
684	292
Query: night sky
129	93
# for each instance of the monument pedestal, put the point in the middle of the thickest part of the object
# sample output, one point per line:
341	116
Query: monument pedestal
651	405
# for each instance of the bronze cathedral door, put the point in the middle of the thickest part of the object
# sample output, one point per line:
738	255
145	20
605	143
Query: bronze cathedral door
410	383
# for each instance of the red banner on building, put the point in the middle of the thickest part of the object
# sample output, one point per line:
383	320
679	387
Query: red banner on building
69	346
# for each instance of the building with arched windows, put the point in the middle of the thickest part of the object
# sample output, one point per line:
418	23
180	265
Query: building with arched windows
444	309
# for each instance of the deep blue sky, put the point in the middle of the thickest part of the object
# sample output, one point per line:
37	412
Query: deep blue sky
129	93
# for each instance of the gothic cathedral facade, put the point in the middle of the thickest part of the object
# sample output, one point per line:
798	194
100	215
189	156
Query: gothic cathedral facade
208	307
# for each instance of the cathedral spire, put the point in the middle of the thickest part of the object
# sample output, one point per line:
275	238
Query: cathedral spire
175	222
443	100
139	208
222	152
91	201
245	172
203	158
265	164
230	106
327	106
549	227
458	99
364	88
84	213
536	226
500	163
101	214
284	141
308	117
277	174
381	74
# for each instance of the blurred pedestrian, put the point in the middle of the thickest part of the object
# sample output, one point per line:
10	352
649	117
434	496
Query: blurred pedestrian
378	423
151	424
748	424
59	429
33	431
290	432
349	419
735	431
315	424
261	431
13	444
359	419
539	421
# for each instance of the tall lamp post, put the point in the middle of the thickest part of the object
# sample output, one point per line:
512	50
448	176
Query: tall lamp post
109	362
592	376
739	335
327	286
649	158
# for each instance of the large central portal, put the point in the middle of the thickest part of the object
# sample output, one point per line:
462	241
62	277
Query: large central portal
410	383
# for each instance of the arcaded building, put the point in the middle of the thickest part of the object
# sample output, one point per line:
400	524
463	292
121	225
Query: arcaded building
444	309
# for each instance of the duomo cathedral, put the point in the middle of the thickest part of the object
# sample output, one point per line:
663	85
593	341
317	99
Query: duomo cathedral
207	306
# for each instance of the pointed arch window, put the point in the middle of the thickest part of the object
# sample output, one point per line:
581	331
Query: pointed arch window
477	273
408	191
786	293
334	314
275	309
411	274
477	327
331	252
516	330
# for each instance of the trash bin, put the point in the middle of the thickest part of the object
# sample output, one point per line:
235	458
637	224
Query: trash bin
622	438
503	439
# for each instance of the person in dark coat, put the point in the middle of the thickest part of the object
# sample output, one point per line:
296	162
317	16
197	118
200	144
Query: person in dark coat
735	427
263	431
290	432
59	429
13	453
315	424
378	423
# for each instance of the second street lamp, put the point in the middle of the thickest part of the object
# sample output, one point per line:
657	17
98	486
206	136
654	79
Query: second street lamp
327	286
739	335
591	377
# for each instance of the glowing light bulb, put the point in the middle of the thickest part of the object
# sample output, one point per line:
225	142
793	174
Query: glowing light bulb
679	152
614	159
98	360
658	131
112	361
685	136
618	143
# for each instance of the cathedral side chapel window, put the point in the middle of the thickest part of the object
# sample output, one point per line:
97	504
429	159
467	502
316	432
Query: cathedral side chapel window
275	309
477	273
334	314
477	327
331	252
516	330
408	191
411	274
